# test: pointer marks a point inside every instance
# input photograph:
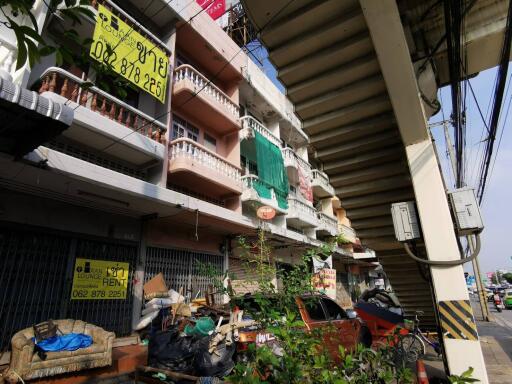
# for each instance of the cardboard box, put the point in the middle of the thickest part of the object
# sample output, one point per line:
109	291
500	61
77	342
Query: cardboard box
156	287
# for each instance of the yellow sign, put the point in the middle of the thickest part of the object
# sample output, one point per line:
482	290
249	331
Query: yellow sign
130	54
99	280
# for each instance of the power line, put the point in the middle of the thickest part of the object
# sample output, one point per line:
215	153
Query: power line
204	86
498	100
154	45
501	136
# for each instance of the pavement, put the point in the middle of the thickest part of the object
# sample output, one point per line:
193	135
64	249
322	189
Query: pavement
496	342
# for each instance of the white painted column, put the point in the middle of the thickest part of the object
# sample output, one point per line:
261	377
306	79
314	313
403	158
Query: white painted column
441	244
388	37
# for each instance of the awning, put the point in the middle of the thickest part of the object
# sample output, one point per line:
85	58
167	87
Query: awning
28	119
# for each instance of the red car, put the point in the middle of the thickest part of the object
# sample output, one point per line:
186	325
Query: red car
341	327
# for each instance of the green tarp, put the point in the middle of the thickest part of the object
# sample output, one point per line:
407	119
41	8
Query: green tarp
271	171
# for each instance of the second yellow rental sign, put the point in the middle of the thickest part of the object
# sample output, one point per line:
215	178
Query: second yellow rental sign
99	280
130	54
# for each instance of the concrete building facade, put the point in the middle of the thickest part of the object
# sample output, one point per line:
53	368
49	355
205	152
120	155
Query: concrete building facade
160	186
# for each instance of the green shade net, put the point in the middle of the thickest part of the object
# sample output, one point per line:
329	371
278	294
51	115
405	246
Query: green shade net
271	171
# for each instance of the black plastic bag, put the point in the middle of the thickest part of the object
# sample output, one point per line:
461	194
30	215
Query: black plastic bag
219	363
169	350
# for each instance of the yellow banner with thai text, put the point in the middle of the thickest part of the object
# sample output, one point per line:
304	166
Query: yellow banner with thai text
99	280
128	53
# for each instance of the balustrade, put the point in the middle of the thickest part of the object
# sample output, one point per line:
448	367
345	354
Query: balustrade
328	222
250	123
61	82
201	84
193	151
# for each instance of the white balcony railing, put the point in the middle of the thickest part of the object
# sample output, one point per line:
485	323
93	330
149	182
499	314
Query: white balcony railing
8	54
203	85
302	211
59	81
328	223
348	233
320	179
192	151
319	176
250	124
291	159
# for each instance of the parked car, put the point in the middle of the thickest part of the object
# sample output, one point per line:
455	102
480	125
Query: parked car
341	327
508	299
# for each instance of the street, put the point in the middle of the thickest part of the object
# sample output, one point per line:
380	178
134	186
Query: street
496	341
504	318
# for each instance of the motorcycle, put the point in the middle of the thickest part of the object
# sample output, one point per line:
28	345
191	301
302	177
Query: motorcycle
498	303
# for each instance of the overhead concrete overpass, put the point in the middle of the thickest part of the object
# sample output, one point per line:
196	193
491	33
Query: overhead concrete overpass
363	79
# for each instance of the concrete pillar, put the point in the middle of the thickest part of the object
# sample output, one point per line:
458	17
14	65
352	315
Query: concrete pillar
138	284
171	44
441	244
388	37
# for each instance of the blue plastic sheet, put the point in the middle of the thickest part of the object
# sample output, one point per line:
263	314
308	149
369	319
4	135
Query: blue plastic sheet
68	342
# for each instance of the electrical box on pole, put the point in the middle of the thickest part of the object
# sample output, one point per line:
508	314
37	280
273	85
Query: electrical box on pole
405	221
466	210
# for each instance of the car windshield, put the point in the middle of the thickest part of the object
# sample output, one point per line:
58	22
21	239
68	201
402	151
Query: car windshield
254	306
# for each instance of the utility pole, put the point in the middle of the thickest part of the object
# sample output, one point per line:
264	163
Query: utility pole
470	240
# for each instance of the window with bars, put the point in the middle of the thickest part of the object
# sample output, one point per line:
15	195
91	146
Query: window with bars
249	165
182	128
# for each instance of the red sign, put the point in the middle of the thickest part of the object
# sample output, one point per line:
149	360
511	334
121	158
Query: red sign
266	213
215	8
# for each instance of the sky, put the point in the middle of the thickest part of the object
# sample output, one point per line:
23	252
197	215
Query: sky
497	205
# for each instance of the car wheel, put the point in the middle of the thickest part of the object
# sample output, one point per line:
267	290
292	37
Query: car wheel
365	337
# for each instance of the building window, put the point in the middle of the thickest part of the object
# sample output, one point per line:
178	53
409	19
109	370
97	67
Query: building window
210	142
180	60
181	128
250	167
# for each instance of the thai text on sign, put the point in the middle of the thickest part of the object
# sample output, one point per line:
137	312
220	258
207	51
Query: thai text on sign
130	54
324	281
215	8
99	280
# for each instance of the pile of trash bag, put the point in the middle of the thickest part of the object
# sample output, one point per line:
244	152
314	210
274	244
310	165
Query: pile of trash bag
179	352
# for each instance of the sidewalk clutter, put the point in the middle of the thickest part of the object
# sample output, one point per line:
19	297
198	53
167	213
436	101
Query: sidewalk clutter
186	342
195	339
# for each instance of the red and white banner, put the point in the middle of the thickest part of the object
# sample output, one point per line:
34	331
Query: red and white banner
215	8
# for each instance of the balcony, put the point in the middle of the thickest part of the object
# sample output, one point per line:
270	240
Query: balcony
348	233
294	163
251	125
320	184
251	198
327	224
8	54
105	120
200	170
192	92
300	214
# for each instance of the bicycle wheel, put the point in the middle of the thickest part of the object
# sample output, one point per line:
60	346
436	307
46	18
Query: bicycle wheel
411	348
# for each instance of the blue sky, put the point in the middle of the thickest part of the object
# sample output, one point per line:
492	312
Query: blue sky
497	206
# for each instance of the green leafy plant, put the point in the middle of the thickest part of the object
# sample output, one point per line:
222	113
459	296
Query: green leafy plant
301	355
465	377
31	45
